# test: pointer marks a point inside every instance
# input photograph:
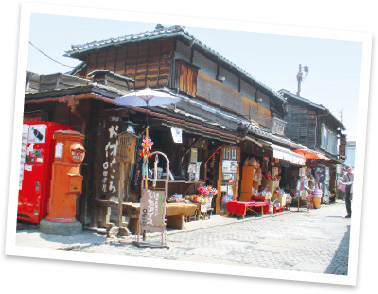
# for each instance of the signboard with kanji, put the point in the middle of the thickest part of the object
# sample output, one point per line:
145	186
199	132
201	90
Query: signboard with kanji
152	210
109	176
342	146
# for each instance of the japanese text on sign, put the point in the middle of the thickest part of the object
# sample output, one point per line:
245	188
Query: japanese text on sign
108	183
152	210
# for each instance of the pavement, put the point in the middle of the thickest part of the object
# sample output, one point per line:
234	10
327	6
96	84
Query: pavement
311	241
29	235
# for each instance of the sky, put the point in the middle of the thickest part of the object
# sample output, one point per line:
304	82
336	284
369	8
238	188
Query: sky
273	59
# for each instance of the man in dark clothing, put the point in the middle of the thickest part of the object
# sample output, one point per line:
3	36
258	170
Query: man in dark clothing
347	180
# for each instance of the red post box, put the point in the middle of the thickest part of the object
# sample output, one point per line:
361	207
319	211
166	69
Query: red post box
66	184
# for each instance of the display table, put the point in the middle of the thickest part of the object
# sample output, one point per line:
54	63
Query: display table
174	214
199	213
241	207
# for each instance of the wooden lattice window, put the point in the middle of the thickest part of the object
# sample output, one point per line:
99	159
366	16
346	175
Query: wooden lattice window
186	77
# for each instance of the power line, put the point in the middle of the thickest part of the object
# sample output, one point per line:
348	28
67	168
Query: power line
50	57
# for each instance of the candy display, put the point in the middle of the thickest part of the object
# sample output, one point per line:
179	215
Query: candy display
174	199
198	198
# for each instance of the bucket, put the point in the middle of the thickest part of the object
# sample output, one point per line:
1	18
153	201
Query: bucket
316	202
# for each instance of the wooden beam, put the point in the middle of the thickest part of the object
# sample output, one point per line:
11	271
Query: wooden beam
106	57
115	58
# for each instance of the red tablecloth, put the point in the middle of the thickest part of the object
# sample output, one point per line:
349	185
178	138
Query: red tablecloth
239	207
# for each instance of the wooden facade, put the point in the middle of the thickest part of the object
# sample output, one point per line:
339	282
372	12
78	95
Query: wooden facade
173	63
305	120
302	125
148	63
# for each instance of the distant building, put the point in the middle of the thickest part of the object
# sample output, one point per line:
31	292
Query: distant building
350	151
312	125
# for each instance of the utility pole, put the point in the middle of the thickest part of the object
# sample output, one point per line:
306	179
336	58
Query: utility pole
301	77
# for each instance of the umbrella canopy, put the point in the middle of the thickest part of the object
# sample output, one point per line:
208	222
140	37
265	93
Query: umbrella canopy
146	97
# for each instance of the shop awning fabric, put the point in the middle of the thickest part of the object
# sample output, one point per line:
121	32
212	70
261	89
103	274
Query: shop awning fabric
286	154
311	154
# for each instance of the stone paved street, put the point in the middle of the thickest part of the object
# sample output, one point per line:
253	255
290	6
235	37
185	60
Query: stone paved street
317	241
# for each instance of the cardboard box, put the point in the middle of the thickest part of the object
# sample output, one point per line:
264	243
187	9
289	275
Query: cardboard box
273	185
280	199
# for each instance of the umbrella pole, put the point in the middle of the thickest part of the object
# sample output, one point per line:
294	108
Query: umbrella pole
147	136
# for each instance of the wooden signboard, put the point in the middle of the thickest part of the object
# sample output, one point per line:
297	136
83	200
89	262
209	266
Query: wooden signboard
126	147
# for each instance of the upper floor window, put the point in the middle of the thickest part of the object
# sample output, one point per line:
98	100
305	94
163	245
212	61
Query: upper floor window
186	77
328	140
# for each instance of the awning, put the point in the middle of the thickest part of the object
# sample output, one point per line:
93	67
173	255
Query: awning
309	154
204	132
286	154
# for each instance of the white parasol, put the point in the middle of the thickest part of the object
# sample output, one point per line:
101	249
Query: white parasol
147	98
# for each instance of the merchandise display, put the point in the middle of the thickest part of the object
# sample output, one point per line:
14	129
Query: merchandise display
203	200
177	199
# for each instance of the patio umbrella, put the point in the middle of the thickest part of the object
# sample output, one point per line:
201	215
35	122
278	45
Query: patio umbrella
147	98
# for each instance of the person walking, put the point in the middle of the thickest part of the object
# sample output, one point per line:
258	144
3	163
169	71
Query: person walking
347	180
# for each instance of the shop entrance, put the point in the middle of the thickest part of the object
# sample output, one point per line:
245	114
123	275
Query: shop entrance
228	177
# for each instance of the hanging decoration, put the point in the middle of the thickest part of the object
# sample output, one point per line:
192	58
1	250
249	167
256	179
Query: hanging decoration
146	145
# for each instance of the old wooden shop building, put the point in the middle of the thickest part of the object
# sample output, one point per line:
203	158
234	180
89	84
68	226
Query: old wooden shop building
224	114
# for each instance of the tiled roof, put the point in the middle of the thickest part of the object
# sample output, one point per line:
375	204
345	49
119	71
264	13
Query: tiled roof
319	106
238	119
288	93
164	32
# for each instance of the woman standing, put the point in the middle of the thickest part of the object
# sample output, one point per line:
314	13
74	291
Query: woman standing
347	180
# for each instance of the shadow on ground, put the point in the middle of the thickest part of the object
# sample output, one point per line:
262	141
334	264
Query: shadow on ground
339	264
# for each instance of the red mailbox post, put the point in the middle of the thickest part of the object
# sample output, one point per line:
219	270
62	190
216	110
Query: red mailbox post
66	184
